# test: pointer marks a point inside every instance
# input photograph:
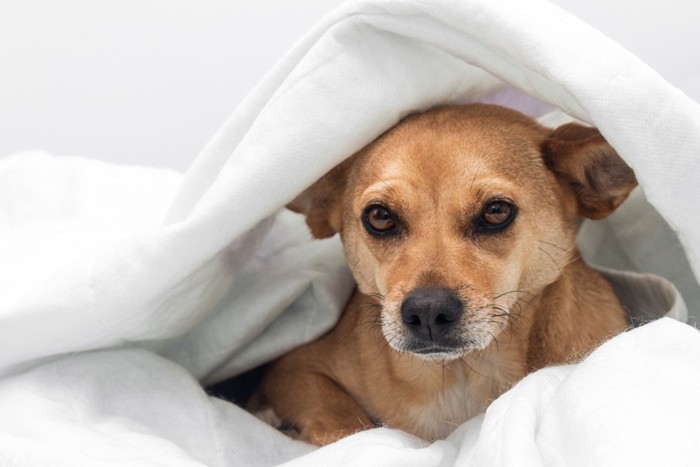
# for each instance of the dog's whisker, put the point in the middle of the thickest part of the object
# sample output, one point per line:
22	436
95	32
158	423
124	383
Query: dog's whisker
556	265
503	294
556	246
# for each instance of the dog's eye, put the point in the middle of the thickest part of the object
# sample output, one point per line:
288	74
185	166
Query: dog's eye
497	215
378	220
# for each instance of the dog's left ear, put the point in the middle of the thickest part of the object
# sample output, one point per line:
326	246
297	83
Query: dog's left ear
581	157
321	203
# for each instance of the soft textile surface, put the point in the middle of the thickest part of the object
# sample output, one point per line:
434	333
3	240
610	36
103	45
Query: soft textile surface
122	288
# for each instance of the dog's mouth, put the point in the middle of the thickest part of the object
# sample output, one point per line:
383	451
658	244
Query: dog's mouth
437	352
465	337
446	349
450	347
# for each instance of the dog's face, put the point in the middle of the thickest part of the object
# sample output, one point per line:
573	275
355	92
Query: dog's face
456	217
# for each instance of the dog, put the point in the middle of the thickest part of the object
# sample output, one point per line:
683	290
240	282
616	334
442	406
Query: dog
459	227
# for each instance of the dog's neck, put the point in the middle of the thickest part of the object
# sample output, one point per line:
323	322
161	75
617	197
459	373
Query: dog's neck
571	315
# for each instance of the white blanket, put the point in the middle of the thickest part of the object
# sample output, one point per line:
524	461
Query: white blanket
122	288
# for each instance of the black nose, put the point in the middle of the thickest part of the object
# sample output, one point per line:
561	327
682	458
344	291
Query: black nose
431	312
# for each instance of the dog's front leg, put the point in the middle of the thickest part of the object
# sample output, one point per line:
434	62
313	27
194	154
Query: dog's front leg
308	404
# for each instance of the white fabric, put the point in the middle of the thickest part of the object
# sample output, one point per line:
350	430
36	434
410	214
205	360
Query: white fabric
122	287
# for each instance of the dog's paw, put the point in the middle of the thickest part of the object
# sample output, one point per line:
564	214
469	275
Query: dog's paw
269	416
321	437
321	433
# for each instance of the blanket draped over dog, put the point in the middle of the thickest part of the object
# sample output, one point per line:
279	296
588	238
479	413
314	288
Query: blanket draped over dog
122	289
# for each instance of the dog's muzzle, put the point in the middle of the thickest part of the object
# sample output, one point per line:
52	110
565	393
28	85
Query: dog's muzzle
431	315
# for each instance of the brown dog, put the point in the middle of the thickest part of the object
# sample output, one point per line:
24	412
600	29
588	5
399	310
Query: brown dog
459	226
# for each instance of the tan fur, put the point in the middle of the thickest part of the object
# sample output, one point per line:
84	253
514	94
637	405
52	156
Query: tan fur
528	299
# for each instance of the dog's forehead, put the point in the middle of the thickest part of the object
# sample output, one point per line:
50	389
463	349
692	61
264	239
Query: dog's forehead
470	149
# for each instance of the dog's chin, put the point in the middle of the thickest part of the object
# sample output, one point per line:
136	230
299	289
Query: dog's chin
437	354
444	350
434	352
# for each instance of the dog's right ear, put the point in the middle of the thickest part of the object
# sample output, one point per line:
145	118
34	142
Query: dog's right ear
322	202
582	158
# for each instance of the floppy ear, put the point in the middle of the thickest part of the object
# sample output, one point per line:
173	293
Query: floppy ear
598	176
322	202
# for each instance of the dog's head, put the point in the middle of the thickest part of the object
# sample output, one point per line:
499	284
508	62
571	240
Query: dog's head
455	216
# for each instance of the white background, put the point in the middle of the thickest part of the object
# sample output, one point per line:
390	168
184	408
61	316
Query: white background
149	81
